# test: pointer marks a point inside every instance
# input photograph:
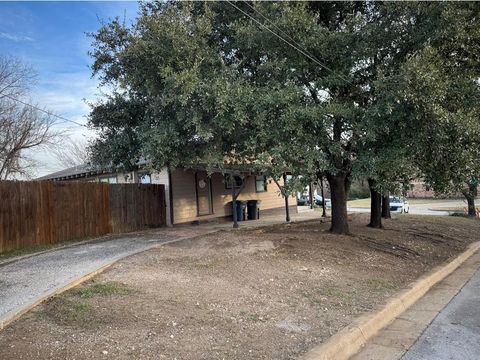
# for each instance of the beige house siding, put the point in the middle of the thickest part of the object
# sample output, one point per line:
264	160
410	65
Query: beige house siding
181	184
185	202
121	178
161	177
183	195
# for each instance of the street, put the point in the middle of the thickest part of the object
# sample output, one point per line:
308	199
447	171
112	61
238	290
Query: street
455	332
443	324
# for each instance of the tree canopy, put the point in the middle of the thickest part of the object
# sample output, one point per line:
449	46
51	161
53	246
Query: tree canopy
317	88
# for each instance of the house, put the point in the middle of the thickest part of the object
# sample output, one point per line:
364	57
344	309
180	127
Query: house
192	196
421	190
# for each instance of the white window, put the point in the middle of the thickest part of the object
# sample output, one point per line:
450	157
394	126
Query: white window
144	178
109	179
236	181
260	183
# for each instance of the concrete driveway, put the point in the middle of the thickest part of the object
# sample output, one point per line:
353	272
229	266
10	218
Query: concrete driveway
25	281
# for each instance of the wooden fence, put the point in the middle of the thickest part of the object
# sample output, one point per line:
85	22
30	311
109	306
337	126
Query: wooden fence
44	212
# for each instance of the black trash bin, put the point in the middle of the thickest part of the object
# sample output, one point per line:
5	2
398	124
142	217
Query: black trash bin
241	210
241	206
253	210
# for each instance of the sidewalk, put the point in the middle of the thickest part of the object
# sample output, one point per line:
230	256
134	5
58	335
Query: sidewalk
444	324
455	332
302	215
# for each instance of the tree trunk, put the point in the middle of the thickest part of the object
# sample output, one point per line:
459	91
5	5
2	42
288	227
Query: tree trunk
234	207
324	212
375	206
310	195
339	193
470	195
386	207
287	210
471	206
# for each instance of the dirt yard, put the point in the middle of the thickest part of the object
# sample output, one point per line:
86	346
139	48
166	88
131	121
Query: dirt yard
269	293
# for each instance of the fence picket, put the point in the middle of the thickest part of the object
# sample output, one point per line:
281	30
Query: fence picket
43	212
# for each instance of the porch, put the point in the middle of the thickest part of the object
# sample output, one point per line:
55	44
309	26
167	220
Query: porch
196	197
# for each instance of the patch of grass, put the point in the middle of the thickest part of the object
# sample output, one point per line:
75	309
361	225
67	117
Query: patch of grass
254	317
39	248
360	203
447	208
463	215
337	294
203	265
312	297
206	265
428	201
25	251
101	289
251	316
70	312
80	311
377	284
329	294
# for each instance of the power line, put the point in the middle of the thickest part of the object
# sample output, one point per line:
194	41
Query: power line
287	36
296	47
44	111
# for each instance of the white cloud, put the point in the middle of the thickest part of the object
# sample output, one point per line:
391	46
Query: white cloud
61	103
67	95
44	158
15	37
64	94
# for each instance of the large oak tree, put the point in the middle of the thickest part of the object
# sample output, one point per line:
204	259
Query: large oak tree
273	85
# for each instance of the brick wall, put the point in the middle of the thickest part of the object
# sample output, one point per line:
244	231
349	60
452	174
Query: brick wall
421	191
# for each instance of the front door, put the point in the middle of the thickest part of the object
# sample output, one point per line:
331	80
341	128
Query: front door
204	194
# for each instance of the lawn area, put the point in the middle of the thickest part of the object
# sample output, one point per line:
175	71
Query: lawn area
365	203
266	293
432	204
359	203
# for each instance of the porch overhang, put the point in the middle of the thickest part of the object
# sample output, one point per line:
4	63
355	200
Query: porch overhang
239	170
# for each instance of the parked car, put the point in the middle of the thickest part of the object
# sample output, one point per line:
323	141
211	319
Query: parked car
303	200
319	201
398	204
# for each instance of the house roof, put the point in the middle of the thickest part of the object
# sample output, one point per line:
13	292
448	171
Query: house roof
226	169
86	170
82	170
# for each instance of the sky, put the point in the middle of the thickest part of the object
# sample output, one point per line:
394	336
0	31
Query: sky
51	37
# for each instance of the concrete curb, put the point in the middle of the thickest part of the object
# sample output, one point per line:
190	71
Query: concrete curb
348	341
